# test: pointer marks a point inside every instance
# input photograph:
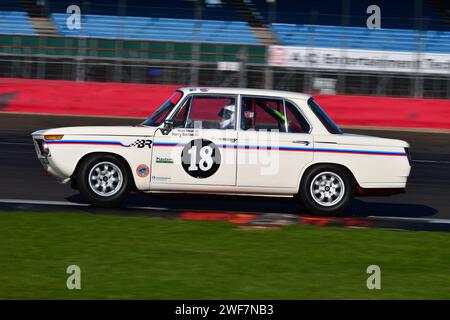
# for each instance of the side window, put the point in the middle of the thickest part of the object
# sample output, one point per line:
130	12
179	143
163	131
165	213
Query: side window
295	120
212	112
262	114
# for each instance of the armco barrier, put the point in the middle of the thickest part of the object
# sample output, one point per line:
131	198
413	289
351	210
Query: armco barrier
140	100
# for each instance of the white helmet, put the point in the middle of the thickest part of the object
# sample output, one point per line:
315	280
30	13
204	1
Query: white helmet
228	114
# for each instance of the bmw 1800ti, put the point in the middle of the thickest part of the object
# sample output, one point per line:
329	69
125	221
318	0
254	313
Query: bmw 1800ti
228	141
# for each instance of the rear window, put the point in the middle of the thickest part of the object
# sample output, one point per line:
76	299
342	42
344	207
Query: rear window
323	117
295	120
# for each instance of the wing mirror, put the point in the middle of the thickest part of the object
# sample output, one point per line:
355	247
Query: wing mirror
168	124
167	127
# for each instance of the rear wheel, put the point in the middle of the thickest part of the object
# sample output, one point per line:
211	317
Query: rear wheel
104	180
326	190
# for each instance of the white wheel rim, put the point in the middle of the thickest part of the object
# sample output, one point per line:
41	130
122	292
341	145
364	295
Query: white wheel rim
327	188
105	179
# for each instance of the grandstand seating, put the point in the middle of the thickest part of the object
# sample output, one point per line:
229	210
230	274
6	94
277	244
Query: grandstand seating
165	24
183	30
168	29
15	22
362	38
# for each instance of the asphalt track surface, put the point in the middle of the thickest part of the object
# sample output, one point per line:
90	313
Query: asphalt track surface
23	178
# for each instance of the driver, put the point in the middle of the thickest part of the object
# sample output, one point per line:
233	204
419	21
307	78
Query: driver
227	115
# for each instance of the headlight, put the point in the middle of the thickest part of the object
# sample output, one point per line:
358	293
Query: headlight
43	147
45	150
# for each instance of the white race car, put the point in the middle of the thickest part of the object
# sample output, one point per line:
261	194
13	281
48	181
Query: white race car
228	141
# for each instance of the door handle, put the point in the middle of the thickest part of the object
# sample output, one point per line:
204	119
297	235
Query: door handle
306	143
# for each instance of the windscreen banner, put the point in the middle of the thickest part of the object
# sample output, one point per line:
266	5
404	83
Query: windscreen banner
359	60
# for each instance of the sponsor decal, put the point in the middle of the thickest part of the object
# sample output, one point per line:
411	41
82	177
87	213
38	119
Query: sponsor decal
142	170
185	133
159	178
164	160
358	60
141	143
200	158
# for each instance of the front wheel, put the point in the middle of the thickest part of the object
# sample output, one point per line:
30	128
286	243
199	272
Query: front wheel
104	180
326	190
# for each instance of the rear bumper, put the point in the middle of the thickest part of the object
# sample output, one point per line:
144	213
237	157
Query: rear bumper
378	192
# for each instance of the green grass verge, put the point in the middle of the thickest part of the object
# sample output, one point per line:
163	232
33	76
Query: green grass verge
148	258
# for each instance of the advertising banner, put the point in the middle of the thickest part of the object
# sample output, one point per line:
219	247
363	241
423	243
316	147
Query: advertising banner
359	60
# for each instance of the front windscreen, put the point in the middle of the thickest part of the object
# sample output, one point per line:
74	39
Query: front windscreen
323	117
161	113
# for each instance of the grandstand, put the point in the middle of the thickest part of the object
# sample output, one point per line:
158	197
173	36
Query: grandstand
178	36
168	29
362	38
15	22
240	22
238	32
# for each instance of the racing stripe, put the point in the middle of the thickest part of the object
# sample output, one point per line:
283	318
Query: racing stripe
96	142
244	147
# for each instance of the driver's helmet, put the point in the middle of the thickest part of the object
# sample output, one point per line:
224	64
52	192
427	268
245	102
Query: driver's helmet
227	114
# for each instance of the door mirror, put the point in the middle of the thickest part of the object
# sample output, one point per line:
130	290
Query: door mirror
167	127
168	124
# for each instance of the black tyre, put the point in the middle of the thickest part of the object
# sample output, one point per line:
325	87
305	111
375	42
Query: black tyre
104	180
326	190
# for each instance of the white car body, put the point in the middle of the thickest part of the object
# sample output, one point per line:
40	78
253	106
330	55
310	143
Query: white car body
375	163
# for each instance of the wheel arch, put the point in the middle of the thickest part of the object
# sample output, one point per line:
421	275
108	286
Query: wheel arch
73	177
316	164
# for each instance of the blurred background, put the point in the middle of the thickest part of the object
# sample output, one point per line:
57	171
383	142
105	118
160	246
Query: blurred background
122	58
305	46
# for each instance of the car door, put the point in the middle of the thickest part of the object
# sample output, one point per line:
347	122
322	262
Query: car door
274	143
201	147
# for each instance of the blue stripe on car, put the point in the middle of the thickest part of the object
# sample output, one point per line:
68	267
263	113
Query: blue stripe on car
248	147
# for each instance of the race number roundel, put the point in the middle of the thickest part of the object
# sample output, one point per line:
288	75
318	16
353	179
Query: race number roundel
200	158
